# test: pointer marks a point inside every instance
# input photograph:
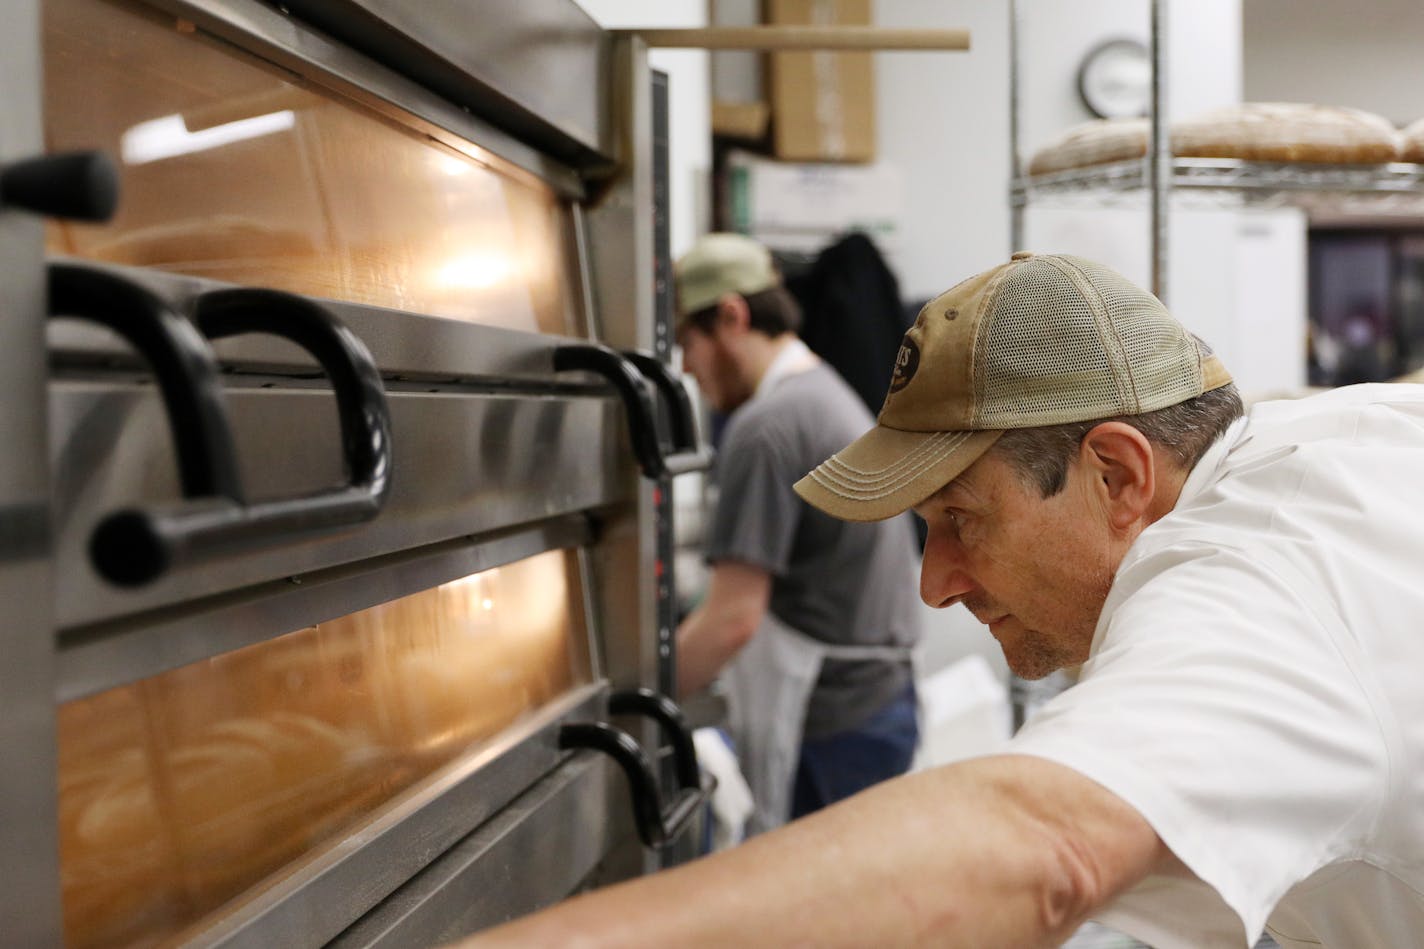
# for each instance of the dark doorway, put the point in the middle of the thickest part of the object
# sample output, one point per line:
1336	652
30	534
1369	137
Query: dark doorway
1366	304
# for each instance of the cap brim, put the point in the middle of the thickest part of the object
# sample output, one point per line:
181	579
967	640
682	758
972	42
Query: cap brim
887	471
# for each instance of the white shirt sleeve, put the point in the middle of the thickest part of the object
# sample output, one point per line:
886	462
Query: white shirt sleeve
1222	707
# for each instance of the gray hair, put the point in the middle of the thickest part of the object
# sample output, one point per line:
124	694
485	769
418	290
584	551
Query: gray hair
1185	431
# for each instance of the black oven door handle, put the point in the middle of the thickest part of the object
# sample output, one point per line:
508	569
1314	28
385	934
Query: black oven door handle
658	824
134	546
360	402
78	186
686	454
665	712
182	364
632	387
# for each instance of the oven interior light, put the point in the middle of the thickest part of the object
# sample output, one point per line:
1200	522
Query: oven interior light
168	137
452	166
476	271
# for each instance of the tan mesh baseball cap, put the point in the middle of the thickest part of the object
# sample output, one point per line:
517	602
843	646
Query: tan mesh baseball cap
1041	340
721	263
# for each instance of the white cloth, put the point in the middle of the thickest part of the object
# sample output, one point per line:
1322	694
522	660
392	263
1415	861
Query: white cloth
731	800
1254	688
768	684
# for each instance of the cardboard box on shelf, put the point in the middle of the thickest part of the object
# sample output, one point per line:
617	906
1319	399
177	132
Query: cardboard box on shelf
822	103
740	120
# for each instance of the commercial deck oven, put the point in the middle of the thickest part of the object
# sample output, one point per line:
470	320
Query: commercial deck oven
338	430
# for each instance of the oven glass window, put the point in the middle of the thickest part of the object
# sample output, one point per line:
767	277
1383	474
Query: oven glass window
182	791
234	170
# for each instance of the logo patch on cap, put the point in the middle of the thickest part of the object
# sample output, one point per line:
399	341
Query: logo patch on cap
907	360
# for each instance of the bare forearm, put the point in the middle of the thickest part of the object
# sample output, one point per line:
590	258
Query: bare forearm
712	634
704	645
935	858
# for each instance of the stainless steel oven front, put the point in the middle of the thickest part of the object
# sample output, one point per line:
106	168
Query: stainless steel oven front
336	559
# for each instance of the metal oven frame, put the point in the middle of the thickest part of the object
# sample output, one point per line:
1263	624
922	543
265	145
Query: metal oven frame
521	821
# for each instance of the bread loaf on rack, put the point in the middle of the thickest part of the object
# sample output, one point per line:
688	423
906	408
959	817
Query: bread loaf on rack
1411	142
1093	143
1251	131
1287	132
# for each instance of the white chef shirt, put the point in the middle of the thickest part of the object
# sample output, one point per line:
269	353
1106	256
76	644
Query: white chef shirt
1255	687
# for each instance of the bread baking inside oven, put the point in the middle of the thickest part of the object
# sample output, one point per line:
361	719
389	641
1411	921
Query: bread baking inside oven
181	791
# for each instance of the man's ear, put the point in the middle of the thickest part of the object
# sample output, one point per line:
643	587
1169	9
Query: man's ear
1120	461
733	316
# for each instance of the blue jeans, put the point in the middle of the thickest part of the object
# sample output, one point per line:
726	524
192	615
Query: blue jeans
839	765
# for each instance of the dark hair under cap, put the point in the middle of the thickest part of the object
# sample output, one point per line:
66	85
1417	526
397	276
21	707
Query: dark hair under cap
773	311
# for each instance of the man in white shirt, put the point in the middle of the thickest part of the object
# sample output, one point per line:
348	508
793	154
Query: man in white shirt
1243	748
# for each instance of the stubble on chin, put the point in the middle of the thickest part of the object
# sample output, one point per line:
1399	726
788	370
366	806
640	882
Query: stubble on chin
1032	661
1033	654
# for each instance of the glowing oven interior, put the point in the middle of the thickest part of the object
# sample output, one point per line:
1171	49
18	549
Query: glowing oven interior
181	791
235	170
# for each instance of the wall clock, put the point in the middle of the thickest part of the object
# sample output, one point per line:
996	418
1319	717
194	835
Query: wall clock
1115	79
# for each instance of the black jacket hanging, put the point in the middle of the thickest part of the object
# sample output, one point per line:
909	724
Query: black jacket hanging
852	316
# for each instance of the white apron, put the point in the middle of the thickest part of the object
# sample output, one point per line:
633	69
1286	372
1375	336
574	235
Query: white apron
768	686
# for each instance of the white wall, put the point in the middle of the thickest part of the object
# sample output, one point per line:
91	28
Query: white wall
1368	54
942	118
689	107
1270	243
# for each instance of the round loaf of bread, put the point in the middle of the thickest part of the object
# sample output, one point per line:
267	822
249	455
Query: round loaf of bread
1411	142
1287	132
1092	143
1251	131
